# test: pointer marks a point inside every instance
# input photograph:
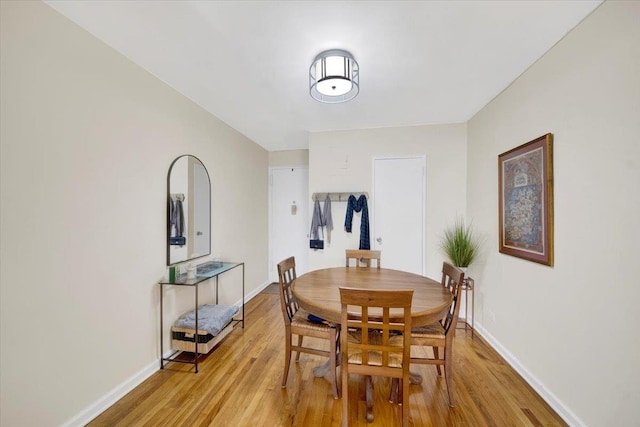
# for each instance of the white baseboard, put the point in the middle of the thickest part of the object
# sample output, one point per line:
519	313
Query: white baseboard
106	401
565	413
255	292
100	405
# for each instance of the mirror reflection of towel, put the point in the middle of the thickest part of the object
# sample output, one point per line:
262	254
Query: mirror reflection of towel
177	217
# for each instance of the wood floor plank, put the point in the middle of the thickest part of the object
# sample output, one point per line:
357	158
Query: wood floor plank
239	384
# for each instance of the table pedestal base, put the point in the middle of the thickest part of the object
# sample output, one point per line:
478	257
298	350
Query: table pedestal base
321	370
415	378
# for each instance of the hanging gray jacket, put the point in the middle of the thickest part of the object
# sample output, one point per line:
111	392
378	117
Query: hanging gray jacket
316	221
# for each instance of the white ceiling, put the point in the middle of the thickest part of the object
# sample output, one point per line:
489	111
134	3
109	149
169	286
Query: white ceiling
247	62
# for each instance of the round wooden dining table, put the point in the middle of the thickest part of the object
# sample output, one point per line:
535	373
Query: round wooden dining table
318	291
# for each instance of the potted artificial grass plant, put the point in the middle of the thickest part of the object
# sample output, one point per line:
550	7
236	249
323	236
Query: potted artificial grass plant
460	244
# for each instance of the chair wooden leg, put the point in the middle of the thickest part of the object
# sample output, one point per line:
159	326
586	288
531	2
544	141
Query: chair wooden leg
448	374
436	356
344	375
287	357
332	363
299	345
393	391
368	387
405	401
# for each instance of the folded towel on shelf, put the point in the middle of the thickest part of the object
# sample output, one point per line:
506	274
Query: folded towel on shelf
211	318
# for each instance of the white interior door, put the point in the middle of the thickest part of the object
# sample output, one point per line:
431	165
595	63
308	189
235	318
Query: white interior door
398	212
289	218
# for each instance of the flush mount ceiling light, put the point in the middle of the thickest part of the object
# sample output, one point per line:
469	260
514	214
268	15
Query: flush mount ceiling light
334	77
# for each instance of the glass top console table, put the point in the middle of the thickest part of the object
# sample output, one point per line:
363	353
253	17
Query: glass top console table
204	272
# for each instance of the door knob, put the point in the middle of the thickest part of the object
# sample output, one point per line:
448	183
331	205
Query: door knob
199	233
379	240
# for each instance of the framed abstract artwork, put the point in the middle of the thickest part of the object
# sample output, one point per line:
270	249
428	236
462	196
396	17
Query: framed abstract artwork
525	186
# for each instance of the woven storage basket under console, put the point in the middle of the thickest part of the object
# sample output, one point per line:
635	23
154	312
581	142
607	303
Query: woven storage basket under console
183	338
214	323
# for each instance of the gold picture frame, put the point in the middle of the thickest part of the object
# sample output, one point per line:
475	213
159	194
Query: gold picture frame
525	187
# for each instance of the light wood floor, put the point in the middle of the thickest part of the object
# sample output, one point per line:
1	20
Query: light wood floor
239	385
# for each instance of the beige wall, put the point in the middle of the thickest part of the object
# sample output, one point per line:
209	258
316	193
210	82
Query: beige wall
288	158
571	328
87	138
342	161
86	141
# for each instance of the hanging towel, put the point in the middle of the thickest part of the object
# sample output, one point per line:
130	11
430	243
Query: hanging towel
177	217
327	220
358	205
316	221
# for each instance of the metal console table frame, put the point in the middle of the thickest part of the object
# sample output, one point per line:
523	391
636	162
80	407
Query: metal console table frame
182	280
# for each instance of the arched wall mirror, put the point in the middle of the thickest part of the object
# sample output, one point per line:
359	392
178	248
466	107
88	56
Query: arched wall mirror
188	210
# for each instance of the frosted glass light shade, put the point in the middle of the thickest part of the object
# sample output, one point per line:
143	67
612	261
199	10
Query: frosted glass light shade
334	77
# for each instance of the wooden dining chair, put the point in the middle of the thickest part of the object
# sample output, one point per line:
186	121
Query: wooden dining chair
363	256
296	322
366	346
440	335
